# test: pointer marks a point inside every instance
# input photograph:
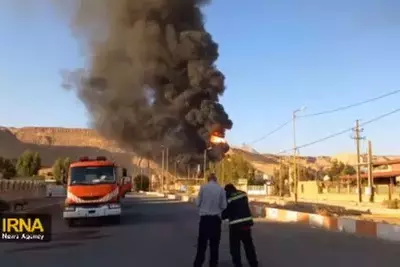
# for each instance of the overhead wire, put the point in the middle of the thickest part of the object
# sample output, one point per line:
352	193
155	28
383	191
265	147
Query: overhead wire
272	132
349	106
340	132
325	112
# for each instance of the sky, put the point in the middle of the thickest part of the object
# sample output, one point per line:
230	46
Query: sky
277	56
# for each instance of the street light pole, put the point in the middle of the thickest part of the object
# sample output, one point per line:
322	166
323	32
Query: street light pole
295	178
205	165
162	169
167	161
167	166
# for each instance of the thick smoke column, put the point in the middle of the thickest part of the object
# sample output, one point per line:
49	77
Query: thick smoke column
151	79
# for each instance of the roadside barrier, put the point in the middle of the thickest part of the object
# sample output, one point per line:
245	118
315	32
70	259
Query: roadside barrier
379	230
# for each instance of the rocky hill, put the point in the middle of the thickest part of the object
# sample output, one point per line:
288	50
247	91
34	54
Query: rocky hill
53	143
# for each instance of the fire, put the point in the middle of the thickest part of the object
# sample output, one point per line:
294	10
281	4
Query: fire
217	140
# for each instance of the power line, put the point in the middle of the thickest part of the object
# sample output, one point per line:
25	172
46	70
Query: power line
271	132
350	106
325	112
341	132
380	117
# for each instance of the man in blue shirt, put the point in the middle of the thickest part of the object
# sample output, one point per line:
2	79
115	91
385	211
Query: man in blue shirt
211	201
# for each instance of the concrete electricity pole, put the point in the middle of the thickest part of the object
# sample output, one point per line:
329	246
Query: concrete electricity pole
205	165
370	176
167	165
295	178
357	138
162	168
280	178
149	174
167	161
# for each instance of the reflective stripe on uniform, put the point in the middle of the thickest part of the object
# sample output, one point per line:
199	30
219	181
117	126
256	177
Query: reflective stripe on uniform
241	220
236	197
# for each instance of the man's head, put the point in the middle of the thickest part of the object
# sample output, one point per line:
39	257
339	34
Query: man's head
212	177
230	188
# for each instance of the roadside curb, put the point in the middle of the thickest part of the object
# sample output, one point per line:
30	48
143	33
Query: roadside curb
157	194
383	231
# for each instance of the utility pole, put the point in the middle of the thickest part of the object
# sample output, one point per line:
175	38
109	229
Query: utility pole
162	169
148	174
141	179
167	161
205	165
176	172
370	176
167	166
280	178
357	138
295	176
294	158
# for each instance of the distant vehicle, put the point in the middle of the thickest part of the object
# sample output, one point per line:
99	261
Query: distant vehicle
94	189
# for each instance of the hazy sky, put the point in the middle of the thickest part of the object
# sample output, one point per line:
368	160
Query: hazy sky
277	55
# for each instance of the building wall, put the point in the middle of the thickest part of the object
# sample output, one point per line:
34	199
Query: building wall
309	190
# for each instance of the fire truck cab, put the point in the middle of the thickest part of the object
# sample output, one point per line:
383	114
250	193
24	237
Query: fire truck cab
94	189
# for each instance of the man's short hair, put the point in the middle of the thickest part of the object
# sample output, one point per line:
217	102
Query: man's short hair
212	177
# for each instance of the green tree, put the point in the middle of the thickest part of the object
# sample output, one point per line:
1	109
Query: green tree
142	182
7	168
349	170
61	169
335	169
58	167
279	177
232	168
306	173
338	169
66	164
36	163
28	164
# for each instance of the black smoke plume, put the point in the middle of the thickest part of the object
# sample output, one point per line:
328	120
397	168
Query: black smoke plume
151	79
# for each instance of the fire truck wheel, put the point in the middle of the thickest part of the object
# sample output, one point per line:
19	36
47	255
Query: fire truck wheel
116	219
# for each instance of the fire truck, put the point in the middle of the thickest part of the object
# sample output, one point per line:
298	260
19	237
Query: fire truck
95	188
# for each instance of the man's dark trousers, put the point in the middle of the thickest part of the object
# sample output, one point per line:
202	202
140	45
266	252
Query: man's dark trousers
238	235
209	231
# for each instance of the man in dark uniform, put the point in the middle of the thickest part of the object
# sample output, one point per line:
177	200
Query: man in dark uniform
240	223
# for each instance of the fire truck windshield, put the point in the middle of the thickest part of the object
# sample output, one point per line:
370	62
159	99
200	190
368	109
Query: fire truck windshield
92	175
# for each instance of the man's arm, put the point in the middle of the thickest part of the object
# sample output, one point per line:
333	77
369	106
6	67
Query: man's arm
223	204
199	197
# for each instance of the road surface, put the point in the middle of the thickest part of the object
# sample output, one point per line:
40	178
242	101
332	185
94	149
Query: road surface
156	232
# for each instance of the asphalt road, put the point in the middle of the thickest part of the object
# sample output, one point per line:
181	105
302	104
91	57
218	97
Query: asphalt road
157	232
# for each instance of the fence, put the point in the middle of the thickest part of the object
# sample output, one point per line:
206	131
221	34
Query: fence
338	188
252	190
11	189
257	190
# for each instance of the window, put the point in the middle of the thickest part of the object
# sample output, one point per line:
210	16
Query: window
92	175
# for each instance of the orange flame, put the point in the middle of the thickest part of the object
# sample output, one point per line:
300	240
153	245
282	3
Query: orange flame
217	140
